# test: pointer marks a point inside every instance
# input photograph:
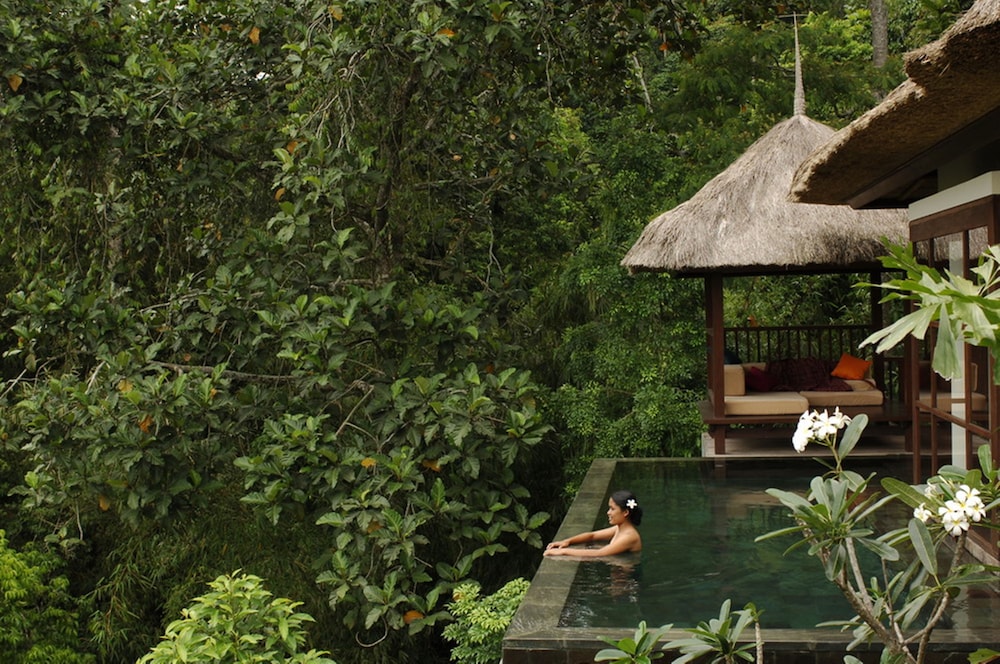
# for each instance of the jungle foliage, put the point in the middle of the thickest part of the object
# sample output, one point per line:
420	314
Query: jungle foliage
329	292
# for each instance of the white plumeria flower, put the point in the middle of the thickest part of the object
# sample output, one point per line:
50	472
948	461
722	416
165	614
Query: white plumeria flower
631	504
803	432
953	518
825	426
932	491
970	503
799	440
839	419
819	427
922	513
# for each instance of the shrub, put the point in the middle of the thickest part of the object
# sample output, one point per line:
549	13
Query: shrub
480	623
237	621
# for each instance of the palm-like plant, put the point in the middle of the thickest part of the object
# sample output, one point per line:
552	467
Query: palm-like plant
637	649
719	638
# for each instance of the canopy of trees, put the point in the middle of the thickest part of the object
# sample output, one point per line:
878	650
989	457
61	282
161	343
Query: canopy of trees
329	291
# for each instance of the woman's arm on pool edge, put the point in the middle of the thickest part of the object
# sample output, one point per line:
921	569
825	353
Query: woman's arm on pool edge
621	542
593	536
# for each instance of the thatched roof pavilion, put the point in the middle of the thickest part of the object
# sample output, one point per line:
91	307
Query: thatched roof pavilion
891	155
741	221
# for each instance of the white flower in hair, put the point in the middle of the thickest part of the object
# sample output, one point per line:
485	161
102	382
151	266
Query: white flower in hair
631	504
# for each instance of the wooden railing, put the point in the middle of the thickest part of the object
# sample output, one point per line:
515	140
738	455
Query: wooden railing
761	344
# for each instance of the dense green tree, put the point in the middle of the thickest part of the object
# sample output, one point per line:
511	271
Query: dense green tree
628	352
913	23
273	250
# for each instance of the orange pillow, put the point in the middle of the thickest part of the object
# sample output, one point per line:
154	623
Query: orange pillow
851	368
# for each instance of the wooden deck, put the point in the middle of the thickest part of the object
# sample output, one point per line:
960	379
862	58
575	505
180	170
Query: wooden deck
891	416
882	440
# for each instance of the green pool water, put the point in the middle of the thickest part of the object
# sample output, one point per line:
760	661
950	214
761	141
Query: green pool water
698	533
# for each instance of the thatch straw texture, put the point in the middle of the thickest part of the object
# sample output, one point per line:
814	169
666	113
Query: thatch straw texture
741	221
952	83
972	44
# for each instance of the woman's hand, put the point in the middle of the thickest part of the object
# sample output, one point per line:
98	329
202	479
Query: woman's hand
557	548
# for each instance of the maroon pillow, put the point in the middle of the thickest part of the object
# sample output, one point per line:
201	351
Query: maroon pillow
799	374
834	385
760	381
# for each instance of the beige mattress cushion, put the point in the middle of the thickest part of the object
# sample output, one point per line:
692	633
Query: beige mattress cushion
818	399
734	380
767	403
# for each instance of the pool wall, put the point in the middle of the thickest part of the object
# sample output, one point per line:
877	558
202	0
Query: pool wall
535	635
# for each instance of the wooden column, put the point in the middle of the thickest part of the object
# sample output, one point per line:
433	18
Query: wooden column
716	357
876	320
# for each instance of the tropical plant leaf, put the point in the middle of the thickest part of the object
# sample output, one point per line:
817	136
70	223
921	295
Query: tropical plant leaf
903	491
923	545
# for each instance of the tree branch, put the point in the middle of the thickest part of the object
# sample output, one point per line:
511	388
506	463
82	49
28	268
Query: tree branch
228	373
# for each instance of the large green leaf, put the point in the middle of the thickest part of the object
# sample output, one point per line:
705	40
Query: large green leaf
903	491
852	434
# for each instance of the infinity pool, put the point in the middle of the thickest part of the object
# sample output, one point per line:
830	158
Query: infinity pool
699	550
700	519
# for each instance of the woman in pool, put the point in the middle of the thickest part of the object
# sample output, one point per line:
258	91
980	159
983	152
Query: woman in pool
624	514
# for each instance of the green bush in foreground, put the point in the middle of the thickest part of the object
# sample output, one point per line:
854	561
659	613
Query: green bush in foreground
480	622
237	621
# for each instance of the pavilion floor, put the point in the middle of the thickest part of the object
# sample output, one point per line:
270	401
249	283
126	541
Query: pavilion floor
884	440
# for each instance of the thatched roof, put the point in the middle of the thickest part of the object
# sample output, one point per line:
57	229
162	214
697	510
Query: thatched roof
741	221
971	44
889	156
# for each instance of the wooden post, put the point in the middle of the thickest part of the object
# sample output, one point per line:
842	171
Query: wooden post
876	318
716	352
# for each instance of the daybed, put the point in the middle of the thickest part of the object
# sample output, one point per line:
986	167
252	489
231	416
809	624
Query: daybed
778	392
788	387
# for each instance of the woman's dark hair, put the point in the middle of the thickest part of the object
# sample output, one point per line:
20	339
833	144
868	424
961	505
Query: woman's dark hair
622	498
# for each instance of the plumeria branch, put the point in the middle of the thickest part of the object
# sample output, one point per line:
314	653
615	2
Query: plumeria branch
861	601
923	636
859	579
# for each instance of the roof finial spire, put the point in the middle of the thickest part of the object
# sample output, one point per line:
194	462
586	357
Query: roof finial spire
800	93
